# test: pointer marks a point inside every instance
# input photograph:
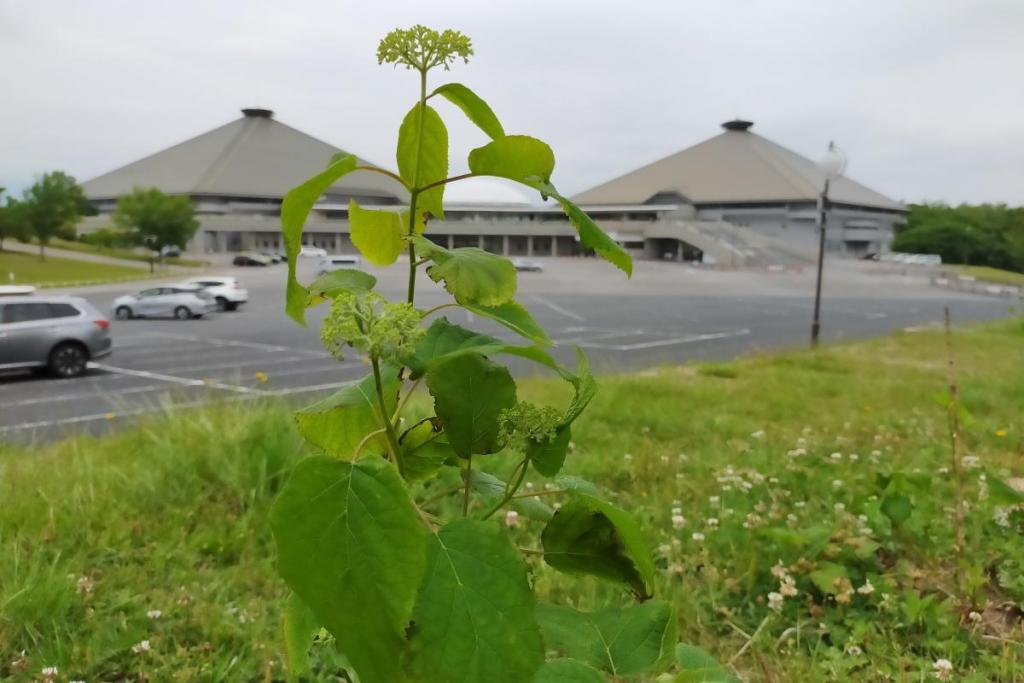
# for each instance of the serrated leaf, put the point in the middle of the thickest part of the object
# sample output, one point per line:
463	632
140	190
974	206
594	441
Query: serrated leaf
592	537
698	666
568	671
339	422
474	620
516	157
352	547
826	575
300	628
492	489
469	393
515	317
623	642
593	237
471	275
445	340
423	156
295	208
584	387
478	111
377	234
348	280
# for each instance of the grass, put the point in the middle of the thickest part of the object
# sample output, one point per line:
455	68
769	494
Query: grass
126	254
834	464
56	272
993	275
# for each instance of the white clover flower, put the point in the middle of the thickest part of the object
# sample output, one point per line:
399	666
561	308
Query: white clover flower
678	521
839	507
154	614
726	488
628	457
712	522
800	503
971	462
50	672
865	531
511	518
645	430
943	470
779	570
714	500
863	519
556	506
867	588
876	453
853	457
836	456
975	617
664	460
773	480
664	549
680	476
791	518
759	434
837	483
775	601
697	536
854	651
788	587
943	669
141	646
676	509
682	457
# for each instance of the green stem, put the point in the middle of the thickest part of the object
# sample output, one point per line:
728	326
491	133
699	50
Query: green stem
465	495
388	427
366	440
435	309
415	194
382	172
510	491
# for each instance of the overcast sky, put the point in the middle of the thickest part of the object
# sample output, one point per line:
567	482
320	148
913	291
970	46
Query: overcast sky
926	97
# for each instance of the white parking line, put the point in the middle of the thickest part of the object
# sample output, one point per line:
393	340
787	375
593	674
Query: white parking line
668	342
185	381
244	344
85	394
558	309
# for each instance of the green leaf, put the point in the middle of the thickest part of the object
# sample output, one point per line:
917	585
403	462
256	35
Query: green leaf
567	671
897	507
469	393
445	340
339	422
423	156
593	237
574	483
478	111
623	642
294	209
515	317
347	280
549	456
697	666
377	234
516	157
474	620
425	449
1001	492
471	275
300	627
492	489
592	537
584	385
826	575
352	547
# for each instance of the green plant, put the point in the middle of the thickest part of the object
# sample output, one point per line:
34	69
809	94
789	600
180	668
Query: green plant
392	539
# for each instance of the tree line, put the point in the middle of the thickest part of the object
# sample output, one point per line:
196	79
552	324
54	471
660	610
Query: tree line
55	203
979	235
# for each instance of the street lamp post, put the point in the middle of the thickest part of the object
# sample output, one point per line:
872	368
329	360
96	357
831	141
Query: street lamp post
831	166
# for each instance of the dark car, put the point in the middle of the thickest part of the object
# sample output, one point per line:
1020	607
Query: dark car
251	260
58	333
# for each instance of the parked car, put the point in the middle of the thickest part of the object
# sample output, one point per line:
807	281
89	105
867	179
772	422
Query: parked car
527	265
58	333
312	251
17	290
227	292
172	252
251	260
333	263
181	301
274	257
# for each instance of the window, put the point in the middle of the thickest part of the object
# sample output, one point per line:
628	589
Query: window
150	292
20	313
63	311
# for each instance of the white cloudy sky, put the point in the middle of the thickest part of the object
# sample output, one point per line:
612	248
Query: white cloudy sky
926	96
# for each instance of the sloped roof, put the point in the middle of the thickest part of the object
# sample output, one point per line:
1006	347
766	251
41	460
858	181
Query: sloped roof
253	156
737	166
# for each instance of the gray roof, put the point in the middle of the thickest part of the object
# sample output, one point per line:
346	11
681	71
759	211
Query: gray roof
736	166
254	156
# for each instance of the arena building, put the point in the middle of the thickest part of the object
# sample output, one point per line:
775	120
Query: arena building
736	199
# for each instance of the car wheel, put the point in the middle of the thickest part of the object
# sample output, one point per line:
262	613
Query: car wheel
123	313
232	305
182	313
68	360
222	304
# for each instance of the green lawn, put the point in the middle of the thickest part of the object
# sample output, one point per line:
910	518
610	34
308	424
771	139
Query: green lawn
29	270
832	465
994	275
127	254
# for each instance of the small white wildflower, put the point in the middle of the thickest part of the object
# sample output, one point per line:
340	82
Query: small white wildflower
664	460
800	503
529	485
675	568
775	601
971	462
628	457
154	614
839	507
788	587
645	430
975	617
664	549
773	480
867	588
714	500
511	518
50	672
791	518
726	488
84	584
779	570
678	521
677	510
863	519
697	536
865	531
141	646
943	470
943	669
712	522
876	453
837	483
759	434
556	506
836	456
682	457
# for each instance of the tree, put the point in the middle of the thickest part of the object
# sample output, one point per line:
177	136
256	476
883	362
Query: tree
12	220
53	204
156	220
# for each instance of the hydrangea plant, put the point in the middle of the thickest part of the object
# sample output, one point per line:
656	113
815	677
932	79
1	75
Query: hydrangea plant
391	539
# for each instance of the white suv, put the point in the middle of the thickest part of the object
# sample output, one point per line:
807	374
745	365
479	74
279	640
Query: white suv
228	292
333	263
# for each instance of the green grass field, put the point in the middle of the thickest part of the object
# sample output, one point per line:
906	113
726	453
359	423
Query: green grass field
821	477
29	270
994	275
126	254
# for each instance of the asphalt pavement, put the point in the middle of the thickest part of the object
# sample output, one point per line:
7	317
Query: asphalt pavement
667	313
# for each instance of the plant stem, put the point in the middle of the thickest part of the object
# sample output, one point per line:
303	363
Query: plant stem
510	492
382	172
405	399
439	496
453	179
955	442
415	194
435	309
366	440
465	495
388	427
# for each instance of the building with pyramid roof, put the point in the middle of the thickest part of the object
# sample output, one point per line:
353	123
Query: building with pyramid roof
736	198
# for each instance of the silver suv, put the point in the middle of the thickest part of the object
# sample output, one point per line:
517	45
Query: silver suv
59	333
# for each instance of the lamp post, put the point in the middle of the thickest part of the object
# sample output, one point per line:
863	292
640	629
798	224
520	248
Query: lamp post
831	166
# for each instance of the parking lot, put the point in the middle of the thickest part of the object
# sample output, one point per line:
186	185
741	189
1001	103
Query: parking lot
666	313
